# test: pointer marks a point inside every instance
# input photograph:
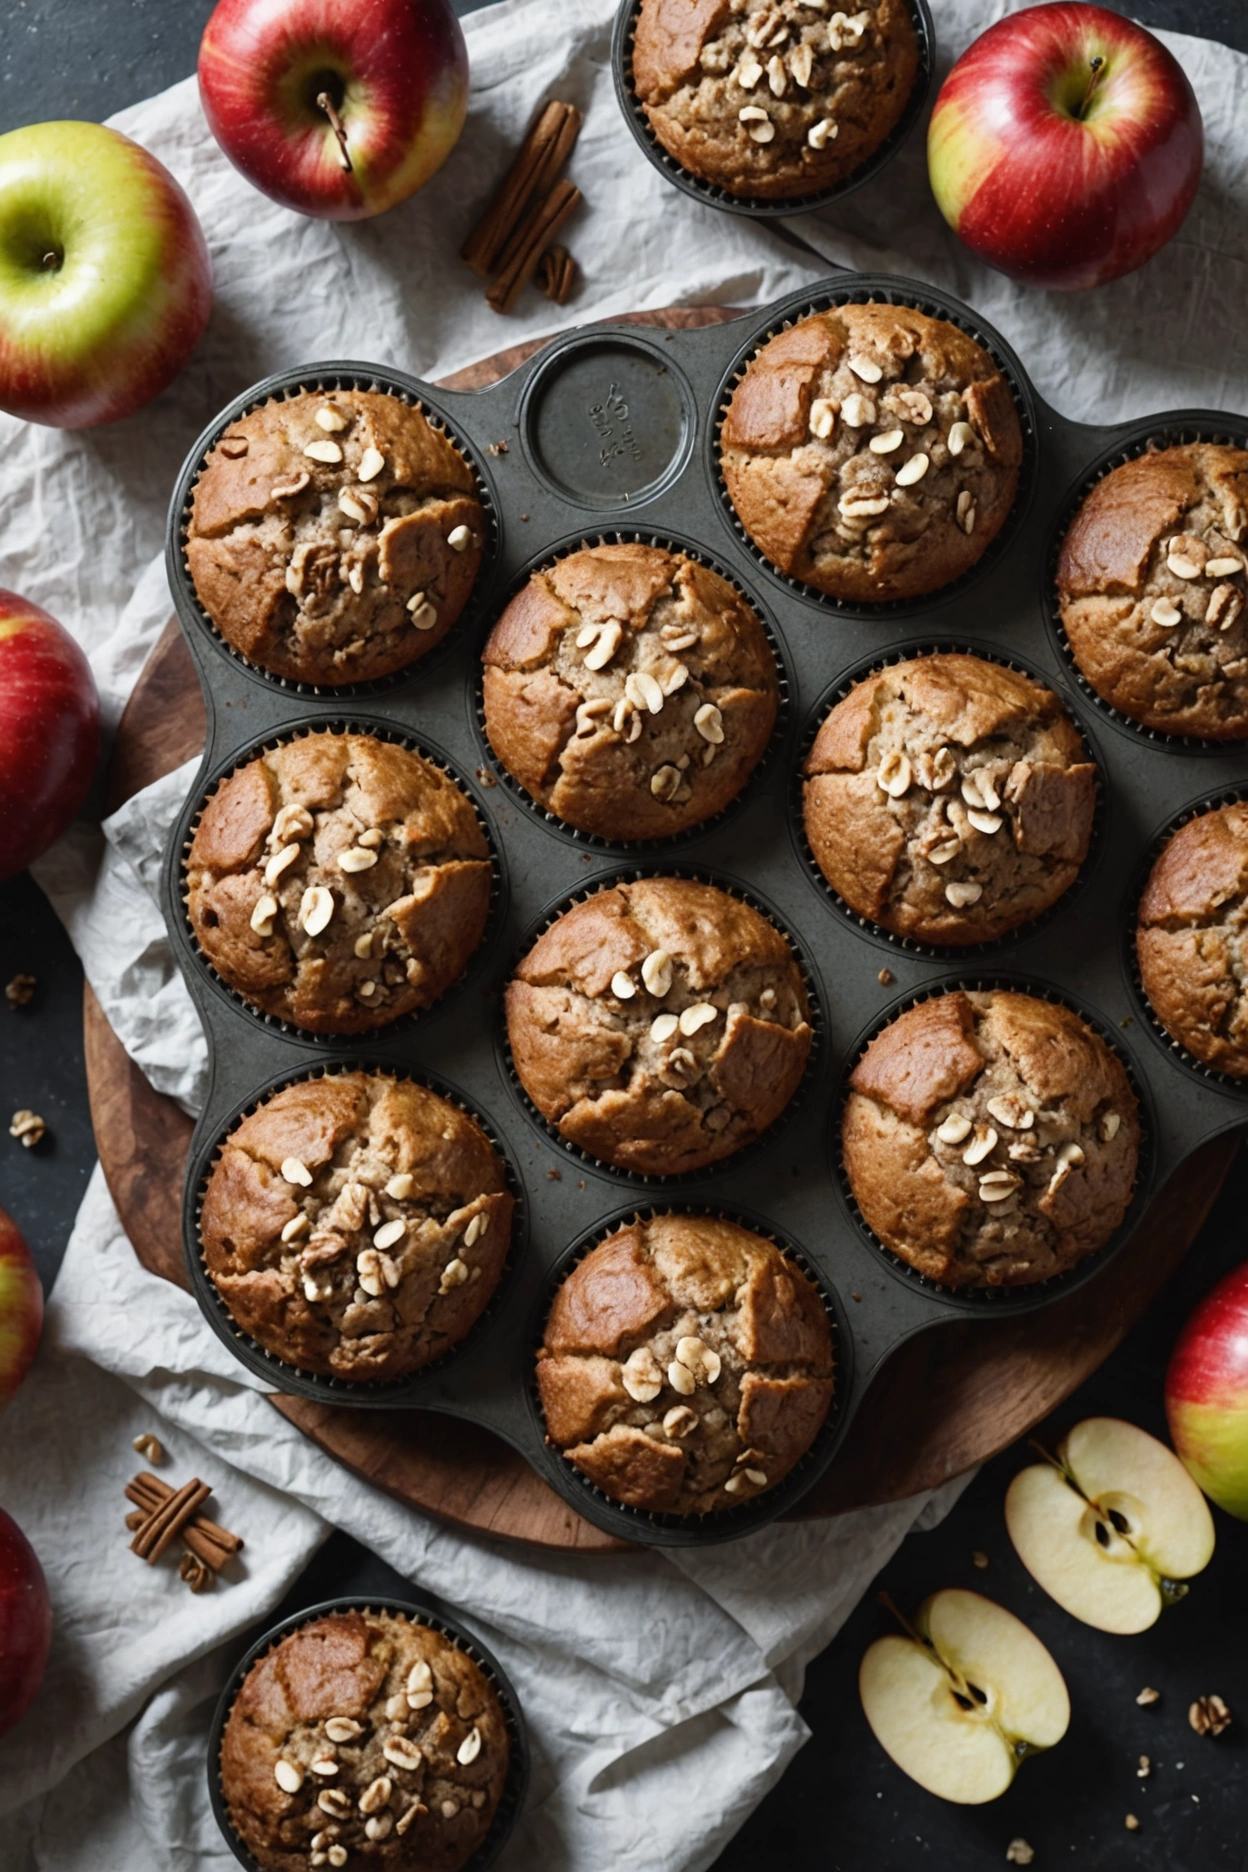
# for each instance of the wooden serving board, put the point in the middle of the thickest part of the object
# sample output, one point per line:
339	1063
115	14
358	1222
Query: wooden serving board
946	1400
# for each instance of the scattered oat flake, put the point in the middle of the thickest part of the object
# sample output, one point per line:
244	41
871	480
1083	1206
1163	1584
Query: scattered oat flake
1148	1696
981	1560
1145	1768
486	777
496	448
21	990
556	1176
885	976
1018	1852
1131	1823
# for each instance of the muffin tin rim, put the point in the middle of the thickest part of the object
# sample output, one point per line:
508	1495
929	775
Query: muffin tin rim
417	1611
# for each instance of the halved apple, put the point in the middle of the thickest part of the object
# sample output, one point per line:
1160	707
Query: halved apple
1111	1526
965	1698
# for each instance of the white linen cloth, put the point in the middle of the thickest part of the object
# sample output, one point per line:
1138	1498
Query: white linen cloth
660	1691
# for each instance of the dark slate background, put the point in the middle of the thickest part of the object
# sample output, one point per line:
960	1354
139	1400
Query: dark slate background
842	1806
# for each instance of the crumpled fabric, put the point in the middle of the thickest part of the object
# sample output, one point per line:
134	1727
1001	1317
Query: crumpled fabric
660	1690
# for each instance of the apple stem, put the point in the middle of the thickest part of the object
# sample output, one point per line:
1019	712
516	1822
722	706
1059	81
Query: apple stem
886	1601
1098	66
326	103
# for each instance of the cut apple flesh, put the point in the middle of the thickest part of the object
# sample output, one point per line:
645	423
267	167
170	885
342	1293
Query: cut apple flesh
958	1706
1104	1537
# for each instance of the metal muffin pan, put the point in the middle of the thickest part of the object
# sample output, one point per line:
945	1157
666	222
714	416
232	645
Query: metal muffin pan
759	207
424	1611
578	417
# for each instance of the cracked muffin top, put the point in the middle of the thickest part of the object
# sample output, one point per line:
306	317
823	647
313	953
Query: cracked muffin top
773	98
991	1139
659	1024
364	1739
949	799
356	1225
338	882
630	690
335	536
872	452
1191	938
686	1365
1151	587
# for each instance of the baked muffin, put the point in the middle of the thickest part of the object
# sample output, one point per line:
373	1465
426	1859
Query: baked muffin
334	536
991	1139
364	1739
686	1365
630	691
1151	589
338	882
773	98
949	799
659	1024
356	1225
1191	943
872	452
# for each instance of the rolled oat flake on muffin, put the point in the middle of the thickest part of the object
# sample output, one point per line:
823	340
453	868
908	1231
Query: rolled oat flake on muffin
338	882
872	451
949	799
991	1139
774	98
630	690
686	1365
1192	938
335	535
659	1024
364	1738
1153	590
356	1225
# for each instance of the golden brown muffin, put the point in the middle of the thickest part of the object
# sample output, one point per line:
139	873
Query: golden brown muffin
660	1024
630	691
872	452
686	1365
338	882
949	799
1151	587
991	1139
364	1739
335	536
773	98
1190	939
356	1225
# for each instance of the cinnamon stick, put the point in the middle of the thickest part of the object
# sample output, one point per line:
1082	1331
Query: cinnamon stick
152	1486
212	1544
526	247
164	1523
541	156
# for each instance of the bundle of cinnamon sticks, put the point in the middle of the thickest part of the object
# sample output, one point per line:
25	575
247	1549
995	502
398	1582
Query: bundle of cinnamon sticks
514	238
163	1514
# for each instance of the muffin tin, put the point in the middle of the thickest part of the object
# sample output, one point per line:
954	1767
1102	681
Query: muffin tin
424	1612
610	432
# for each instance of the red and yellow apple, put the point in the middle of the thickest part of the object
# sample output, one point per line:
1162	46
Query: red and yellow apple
49	731
1207	1394
336	108
25	1623
21	1308
105	280
1066	146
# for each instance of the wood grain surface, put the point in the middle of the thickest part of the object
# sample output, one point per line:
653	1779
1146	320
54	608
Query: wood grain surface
946	1400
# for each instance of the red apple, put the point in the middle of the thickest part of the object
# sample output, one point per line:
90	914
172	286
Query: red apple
105	281
1207	1394
1066	146
49	731
337	108
25	1623
21	1308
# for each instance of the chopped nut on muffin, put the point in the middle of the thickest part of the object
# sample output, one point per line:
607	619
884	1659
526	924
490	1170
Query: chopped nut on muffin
630	690
356	1225
686	1365
335	535
1152	587
949	799
991	1139
773	98
364	1739
338	882
1191	940
660	1024
872	452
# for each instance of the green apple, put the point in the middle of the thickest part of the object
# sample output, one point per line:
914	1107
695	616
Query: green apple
1111	1526
961	1700
105	280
